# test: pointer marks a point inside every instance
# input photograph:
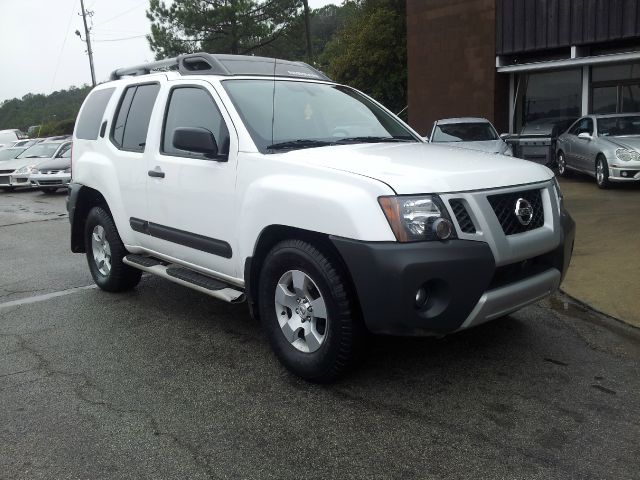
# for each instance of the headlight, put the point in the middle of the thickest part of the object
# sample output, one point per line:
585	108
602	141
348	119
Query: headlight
627	155
30	169
417	218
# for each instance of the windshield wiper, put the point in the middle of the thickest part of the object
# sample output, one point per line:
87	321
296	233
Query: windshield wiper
372	139
300	143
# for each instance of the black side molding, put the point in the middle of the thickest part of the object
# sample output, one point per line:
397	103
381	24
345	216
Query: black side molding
188	239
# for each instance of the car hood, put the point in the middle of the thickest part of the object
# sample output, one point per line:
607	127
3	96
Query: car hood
424	168
54	164
630	143
489	146
19	163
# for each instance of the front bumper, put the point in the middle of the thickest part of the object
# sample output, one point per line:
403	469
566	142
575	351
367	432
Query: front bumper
44	180
15	180
625	173
465	288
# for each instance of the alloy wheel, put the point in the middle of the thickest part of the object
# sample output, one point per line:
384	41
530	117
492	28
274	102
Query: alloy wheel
301	311
101	250
600	172
561	164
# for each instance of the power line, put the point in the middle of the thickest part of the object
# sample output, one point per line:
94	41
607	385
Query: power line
121	14
120	39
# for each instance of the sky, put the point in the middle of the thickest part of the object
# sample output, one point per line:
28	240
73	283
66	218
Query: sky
40	53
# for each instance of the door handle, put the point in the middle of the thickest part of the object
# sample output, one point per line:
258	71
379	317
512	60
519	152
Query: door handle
157	173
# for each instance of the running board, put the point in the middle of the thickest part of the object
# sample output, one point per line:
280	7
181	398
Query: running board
188	278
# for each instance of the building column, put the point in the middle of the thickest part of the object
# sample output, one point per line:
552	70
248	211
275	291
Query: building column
512	101
585	89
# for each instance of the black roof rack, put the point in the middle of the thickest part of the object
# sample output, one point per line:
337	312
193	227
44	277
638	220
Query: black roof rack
228	65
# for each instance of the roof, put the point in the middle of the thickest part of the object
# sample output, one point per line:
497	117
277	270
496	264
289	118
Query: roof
448	121
225	65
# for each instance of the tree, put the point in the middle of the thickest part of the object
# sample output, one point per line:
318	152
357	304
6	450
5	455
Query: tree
220	26
370	51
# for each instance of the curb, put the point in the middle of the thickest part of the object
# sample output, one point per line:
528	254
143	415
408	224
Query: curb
588	307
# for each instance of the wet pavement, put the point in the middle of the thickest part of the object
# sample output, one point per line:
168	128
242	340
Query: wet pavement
605	268
163	382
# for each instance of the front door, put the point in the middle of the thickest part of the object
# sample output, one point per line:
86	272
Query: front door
190	196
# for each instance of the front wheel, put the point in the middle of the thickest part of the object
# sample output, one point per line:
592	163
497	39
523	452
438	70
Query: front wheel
602	172
307	311
562	164
105	252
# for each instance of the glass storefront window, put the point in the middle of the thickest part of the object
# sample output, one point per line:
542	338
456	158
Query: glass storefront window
631	98
615	73
548	97
604	100
615	88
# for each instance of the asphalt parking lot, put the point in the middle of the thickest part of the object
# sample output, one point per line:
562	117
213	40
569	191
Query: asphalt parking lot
163	382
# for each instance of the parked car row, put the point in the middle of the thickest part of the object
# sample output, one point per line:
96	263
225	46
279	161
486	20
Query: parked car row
606	147
45	165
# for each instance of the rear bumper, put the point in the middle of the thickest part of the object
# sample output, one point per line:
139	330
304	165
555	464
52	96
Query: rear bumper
464	286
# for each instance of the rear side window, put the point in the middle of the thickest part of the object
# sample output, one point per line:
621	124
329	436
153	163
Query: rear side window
129	131
92	112
193	107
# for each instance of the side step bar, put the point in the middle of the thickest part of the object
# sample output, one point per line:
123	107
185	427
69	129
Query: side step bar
188	278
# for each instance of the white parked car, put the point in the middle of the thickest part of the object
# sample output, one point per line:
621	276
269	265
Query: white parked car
15	173
469	132
250	179
10	136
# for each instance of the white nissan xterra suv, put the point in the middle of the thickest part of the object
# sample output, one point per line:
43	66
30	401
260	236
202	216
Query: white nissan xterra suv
258	179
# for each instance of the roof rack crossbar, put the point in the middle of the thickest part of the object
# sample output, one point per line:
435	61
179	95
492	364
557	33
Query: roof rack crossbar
207	63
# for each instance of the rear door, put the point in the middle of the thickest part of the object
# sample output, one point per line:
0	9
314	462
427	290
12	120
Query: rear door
191	198
127	143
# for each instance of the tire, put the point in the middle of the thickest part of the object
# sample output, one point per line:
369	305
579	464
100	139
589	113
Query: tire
318	349
561	161
102	242
48	190
602	172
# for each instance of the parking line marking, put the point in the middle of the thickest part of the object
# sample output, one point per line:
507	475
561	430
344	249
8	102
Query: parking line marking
46	296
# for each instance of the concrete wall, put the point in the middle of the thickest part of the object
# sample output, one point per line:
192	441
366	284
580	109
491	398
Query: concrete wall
451	62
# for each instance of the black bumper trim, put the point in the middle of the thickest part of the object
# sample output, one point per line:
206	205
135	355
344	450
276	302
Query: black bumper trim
387	275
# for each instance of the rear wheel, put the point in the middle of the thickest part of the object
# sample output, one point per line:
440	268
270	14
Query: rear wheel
307	312
562	164
105	252
602	172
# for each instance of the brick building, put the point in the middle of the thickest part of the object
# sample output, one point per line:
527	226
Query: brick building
521	61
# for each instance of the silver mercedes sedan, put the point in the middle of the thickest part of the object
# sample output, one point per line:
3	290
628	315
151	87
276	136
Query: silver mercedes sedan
606	147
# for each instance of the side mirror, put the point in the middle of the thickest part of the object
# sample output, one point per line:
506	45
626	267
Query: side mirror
195	139
585	135
504	136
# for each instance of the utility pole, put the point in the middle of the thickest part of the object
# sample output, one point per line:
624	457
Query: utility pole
307	28
88	39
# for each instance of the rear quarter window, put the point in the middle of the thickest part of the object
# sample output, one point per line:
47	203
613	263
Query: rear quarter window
92	113
131	121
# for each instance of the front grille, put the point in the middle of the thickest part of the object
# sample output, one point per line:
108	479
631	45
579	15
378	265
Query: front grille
4	180
504	206
462	216
515	272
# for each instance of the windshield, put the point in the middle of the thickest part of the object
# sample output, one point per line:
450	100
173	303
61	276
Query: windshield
310	115
41	150
10	153
464	132
618	126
